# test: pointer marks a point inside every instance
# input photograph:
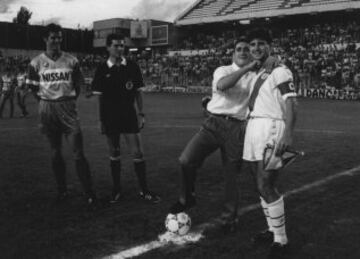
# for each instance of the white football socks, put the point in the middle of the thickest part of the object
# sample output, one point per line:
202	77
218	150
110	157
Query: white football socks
277	220
264	206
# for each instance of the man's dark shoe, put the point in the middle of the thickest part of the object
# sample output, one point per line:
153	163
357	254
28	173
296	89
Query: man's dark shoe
279	251
181	207
229	225
116	197
92	201
24	115
62	197
150	196
265	237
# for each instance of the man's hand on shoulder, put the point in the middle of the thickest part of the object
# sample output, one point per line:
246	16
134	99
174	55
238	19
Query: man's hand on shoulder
253	65
271	63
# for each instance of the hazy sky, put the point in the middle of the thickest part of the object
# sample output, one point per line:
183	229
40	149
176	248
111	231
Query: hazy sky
71	13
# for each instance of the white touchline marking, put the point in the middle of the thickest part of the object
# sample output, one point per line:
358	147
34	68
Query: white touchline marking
322	131
350	172
177	126
182	126
196	234
190	126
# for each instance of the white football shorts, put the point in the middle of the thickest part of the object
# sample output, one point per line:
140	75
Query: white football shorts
259	133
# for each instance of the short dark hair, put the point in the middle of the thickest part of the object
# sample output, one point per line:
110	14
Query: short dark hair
113	36
240	39
52	27
259	33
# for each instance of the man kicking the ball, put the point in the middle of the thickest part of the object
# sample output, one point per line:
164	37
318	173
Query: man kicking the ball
223	129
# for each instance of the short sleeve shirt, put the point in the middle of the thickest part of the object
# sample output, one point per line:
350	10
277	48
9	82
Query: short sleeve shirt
278	86
55	78
118	85
233	101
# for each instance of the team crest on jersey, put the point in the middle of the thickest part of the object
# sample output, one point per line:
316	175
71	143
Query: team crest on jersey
264	76
129	85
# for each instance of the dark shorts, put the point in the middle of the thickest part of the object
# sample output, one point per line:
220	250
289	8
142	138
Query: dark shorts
22	92
58	117
7	94
115	123
216	133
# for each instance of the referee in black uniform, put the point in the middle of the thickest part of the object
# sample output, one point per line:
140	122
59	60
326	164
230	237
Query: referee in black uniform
117	82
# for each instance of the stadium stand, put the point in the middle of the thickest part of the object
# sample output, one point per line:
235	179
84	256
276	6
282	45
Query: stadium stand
236	5
320	54
209	7
257	6
322	51
321	2
208	11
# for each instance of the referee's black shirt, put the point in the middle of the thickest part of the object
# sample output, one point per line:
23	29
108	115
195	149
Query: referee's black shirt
118	95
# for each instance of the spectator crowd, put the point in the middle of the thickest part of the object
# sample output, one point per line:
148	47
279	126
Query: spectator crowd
321	56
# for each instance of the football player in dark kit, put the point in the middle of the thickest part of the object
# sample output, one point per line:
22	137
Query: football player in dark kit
117	82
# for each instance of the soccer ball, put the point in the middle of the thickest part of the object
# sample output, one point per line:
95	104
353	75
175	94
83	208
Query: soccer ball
178	223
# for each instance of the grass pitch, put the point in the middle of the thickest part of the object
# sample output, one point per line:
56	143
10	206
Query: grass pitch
322	222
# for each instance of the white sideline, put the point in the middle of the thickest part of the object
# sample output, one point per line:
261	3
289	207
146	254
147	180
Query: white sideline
177	126
196	234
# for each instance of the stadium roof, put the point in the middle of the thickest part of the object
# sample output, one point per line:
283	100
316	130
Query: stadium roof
210	11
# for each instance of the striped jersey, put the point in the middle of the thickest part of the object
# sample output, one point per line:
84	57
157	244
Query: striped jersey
55	79
277	87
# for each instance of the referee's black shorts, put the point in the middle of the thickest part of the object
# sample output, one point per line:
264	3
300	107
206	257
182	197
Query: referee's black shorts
115	123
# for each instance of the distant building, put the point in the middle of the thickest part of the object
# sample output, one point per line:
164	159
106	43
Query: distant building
140	34
103	28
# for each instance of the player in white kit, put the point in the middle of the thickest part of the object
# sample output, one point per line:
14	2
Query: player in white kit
271	122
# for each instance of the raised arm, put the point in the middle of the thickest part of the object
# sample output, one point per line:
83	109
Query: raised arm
230	80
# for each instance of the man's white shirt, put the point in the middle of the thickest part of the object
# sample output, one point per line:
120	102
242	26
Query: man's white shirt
233	101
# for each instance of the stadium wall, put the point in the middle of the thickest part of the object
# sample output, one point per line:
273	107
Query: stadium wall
30	37
331	94
5	52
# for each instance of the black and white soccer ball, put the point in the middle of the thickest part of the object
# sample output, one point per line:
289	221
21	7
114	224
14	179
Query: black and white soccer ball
179	224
